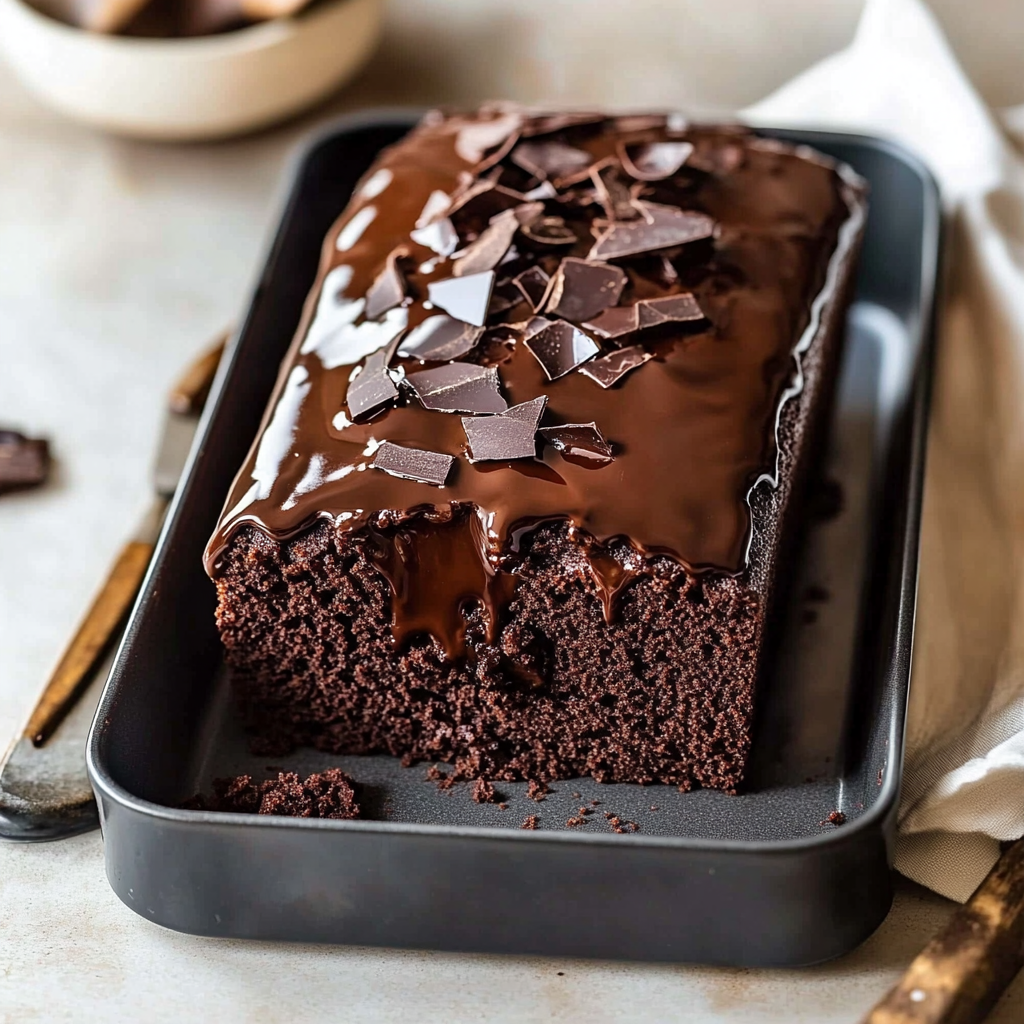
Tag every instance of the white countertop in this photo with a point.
(118, 261)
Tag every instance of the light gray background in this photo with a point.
(118, 262)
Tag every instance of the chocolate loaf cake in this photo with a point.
(525, 494)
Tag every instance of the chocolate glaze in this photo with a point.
(693, 428)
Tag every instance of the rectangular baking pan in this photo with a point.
(761, 878)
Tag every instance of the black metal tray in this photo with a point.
(761, 878)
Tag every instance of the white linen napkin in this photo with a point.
(964, 773)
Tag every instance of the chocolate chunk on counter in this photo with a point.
(506, 436)
(413, 463)
(581, 443)
(581, 289)
(458, 387)
(609, 369)
(560, 347)
(24, 461)
(657, 227)
(440, 338)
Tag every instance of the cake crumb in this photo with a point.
(584, 811)
(530, 822)
(881, 776)
(326, 794)
(502, 807)
(577, 796)
(575, 822)
(595, 803)
(654, 807)
(537, 790)
(835, 818)
(483, 792)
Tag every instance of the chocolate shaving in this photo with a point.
(533, 283)
(613, 193)
(611, 368)
(545, 190)
(581, 443)
(417, 464)
(465, 298)
(654, 161)
(504, 297)
(388, 290)
(371, 388)
(581, 289)
(440, 338)
(546, 124)
(488, 250)
(24, 461)
(509, 435)
(550, 231)
(658, 228)
(433, 229)
(483, 198)
(550, 158)
(615, 322)
(458, 387)
(627, 123)
(670, 309)
(561, 347)
(475, 140)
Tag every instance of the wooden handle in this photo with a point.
(90, 641)
(959, 975)
(189, 394)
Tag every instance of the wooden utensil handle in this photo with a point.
(189, 393)
(959, 975)
(106, 613)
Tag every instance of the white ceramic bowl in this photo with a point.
(200, 88)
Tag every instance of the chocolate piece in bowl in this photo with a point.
(579, 575)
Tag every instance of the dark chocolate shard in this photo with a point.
(611, 368)
(433, 228)
(484, 199)
(670, 309)
(546, 124)
(465, 298)
(489, 248)
(545, 190)
(654, 161)
(581, 289)
(504, 297)
(533, 283)
(658, 227)
(440, 338)
(509, 435)
(370, 388)
(561, 347)
(582, 443)
(627, 123)
(478, 139)
(459, 387)
(613, 193)
(550, 231)
(24, 461)
(720, 161)
(615, 322)
(417, 464)
(549, 158)
(388, 290)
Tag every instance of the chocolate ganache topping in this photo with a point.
(527, 317)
